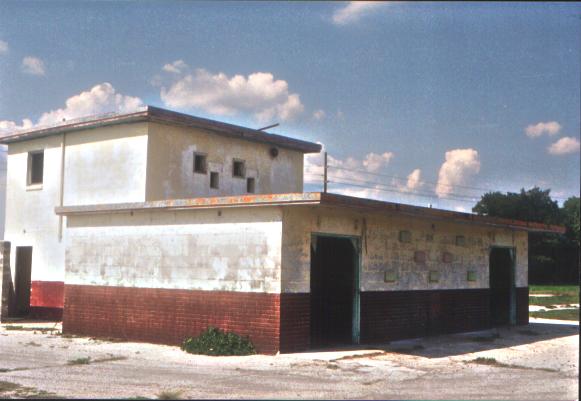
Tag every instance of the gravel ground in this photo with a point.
(535, 362)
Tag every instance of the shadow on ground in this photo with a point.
(463, 343)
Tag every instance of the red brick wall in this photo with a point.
(169, 316)
(393, 315)
(295, 322)
(47, 299)
(522, 305)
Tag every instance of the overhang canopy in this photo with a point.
(314, 199)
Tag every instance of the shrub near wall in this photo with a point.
(216, 342)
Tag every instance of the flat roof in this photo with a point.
(310, 198)
(163, 116)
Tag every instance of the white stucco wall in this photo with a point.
(382, 250)
(106, 165)
(30, 218)
(170, 172)
(238, 250)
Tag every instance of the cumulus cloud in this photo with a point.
(318, 114)
(550, 128)
(354, 11)
(414, 180)
(176, 67)
(33, 66)
(564, 146)
(3, 47)
(374, 162)
(342, 170)
(259, 94)
(459, 166)
(99, 99)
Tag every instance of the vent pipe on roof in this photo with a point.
(268, 126)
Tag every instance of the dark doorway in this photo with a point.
(22, 280)
(333, 290)
(501, 286)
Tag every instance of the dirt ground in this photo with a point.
(535, 362)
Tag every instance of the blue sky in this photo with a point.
(415, 102)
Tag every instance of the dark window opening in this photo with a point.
(250, 182)
(199, 163)
(238, 169)
(214, 180)
(35, 168)
(501, 278)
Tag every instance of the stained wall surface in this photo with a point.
(170, 172)
(228, 250)
(382, 251)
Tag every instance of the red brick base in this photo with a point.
(169, 316)
(47, 300)
(273, 322)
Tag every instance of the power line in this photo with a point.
(426, 182)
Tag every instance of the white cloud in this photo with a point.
(374, 162)
(176, 67)
(459, 166)
(550, 128)
(99, 99)
(564, 146)
(33, 66)
(319, 114)
(414, 180)
(460, 209)
(258, 94)
(354, 11)
(3, 47)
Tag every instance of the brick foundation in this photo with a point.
(295, 322)
(522, 305)
(47, 300)
(169, 316)
(394, 315)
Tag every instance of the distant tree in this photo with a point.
(552, 257)
(570, 217)
(532, 205)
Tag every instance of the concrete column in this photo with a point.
(6, 286)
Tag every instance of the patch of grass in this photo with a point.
(169, 395)
(560, 314)
(7, 386)
(562, 299)
(494, 362)
(554, 289)
(80, 361)
(33, 344)
(15, 390)
(13, 327)
(215, 342)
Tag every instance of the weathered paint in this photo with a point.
(382, 250)
(170, 172)
(234, 250)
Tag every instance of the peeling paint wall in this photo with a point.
(229, 250)
(105, 165)
(101, 165)
(30, 218)
(170, 172)
(383, 252)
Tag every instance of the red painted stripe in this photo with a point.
(48, 294)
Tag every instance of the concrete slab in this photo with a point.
(535, 362)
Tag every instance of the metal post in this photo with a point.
(325, 174)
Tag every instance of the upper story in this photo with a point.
(152, 154)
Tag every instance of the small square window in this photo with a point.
(214, 180)
(434, 276)
(390, 276)
(460, 240)
(447, 257)
(200, 163)
(35, 168)
(420, 257)
(238, 169)
(471, 275)
(250, 183)
(405, 236)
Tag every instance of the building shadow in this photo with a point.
(464, 343)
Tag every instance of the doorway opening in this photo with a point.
(502, 286)
(334, 291)
(22, 280)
